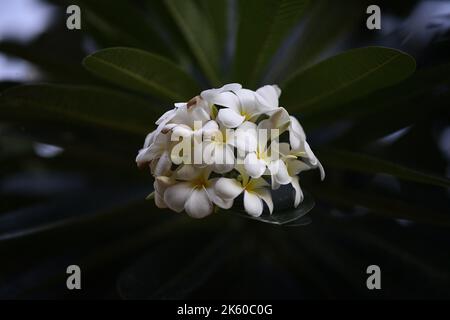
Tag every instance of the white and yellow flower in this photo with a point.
(255, 191)
(194, 192)
(200, 146)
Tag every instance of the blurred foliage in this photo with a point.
(385, 200)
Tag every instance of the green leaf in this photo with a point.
(367, 164)
(93, 106)
(217, 12)
(200, 34)
(119, 22)
(345, 77)
(161, 276)
(402, 102)
(143, 72)
(60, 212)
(285, 217)
(382, 205)
(263, 26)
(322, 31)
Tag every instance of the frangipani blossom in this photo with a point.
(156, 154)
(193, 192)
(255, 192)
(218, 148)
(265, 158)
(201, 146)
(301, 148)
(241, 105)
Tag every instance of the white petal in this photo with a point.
(215, 198)
(180, 104)
(310, 154)
(322, 171)
(210, 128)
(149, 139)
(167, 116)
(223, 159)
(296, 134)
(144, 157)
(279, 120)
(296, 166)
(187, 173)
(284, 149)
(279, 172)
(228, 188)
(162, 183)
(245, 137)
(298, 191)
(181, 130)
(266, 196)
(159, 201)
(229, 118)
(176, 196)
(199, 113)
(257, 183)
(198, 205)
(253, 204)
(231, 87)
(255, 167)
(163, 165)
(248, 103)
(268, 96)
(224, 99)
(212, 92)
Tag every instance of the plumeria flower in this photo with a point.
(156, 153)
(188, 119)
(301, 148)
(266, 158)
(161, 184)
(194, 192)
(255, 192)
(199, 145)
(243, 104)
(294, 168)
(218, 147)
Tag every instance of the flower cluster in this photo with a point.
(222, 144)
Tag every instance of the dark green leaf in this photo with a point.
(345, 77)
(367, 164)
(382, 205)
(402, 102)
(199, 32)
(156, 276)
(263, 25)
(120, 22)
(92, 106)
(323, 29)
(142, 71)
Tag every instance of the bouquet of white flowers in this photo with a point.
(224, 143)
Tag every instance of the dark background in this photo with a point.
(72, 195)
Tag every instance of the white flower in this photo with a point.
(301, 148)
(266, 158)
(255, 192)
(156, 153)
(218, 148)
(242, 104)
(161, 184)
(193, 192)
(222, 131)
(294, 167)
